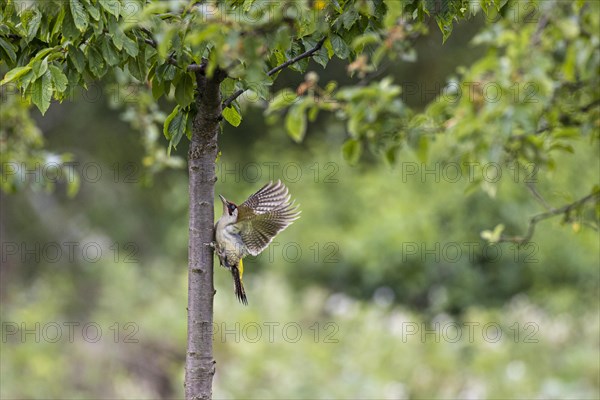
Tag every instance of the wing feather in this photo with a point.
(264, 214)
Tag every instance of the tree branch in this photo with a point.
(306, 54)
(231, 98)
(566, 209)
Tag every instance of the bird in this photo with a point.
(248, 229)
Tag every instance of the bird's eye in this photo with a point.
(231, 208)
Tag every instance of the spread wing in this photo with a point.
(264, 214)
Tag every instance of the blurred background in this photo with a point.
(383, 289)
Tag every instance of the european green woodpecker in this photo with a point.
(250, 227)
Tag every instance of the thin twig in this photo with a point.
(151, 41)
(306, 54)
(231, 98)
(538, 196)
(566, 209)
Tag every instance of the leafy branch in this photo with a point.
(564, 210)
(306, 54)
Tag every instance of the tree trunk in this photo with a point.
(200, 365)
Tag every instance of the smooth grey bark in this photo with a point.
(200, 364)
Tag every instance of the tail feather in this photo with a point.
(238, 285)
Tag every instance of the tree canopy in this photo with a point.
(532, 94)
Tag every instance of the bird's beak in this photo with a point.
(224, 200)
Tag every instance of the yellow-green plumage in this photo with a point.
(250, 227)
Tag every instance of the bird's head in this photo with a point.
(230, 210)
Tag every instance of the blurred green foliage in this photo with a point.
(369, 290)
(389, 246)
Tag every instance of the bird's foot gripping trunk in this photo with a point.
(238, 286)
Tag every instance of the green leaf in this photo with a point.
(59, 79)
(378, 55)
(74, 78)
(329, 47)
(361, 41)
(93, 11)
(157, 88)
(445, 25)
(184, 91)
(165, 72)
(108, 52)
(137, 67)
(175, 126)
(116, 32)
(41, 92)
(284, 98)
(261, 88)
(43, 53)
(96, 62)
(168, 121)
(130, 46)
(351, 150)
(39, 68)
(68, 28)
(57, 27)
(295, 122)
(111, 6)
(321, 57)
(167, 129)
(8, 48)
(493, 236)
(280, 57)
(349, 17)
(26, 80)
(15, 73)
(77, 58)
(232, 116)
(313, 112)
(339, 47)
(228, 86)
(31, 20)
(80, 17)
(566, 132)
(165, 44)
(563, 147)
